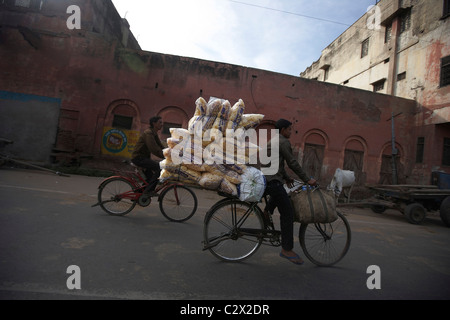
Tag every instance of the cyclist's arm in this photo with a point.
(286, 152)
(153, 146)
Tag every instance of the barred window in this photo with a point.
(405, 21)
(379, 85)
(388, 34)
(365, 48)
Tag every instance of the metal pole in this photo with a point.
(394, 150)
(394, 154)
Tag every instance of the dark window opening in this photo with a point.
(445, 71)
(122, 122)
(446, 11)
(420, 149)
(405, 21)
(388, 34)
(365, 48)
(326, 73)
(446, 152)
(379, 85)
(167, 126)
(401, 76)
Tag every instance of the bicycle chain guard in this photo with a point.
(144, 201)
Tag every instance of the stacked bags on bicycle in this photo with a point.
(212, 152)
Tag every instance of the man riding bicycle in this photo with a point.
(278, 195)
(148, 144)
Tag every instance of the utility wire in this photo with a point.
(320, 19)
(289, 12)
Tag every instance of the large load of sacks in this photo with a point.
(212, 152)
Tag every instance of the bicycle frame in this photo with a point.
(324, 244)
(135, 194)
(264, 234)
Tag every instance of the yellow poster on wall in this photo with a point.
(119, 142)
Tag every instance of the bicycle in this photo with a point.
(119, 195)
(234, 230)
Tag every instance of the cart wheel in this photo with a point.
(445, 211)
(415, 213)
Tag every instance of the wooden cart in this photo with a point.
(412, 200)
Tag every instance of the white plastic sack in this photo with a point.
(252, 186)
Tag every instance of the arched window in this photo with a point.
(173, 117)
(123, 114)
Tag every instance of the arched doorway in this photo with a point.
(354, 154)
(386, 170)
(316, 142)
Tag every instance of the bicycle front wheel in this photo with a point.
(178, 203)
(326, 244)
(233, 230)
(115, 197)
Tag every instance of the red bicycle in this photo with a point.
(118, 195)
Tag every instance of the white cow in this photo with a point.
(341, 179)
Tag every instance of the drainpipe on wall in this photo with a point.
(392, 76)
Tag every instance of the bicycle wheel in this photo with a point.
(115, 196)
(178, 203)
(326, 244)
(233, 230)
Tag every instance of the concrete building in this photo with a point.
(400, 48)
(77, 93)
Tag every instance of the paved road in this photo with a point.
(47, 224)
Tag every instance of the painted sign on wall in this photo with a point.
(118, 142)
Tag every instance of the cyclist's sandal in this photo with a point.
(293, 259)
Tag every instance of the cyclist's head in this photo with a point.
(282, 124)
(153, 121)
(285, 127)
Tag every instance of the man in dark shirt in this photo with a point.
(148, 144)
(278, 195)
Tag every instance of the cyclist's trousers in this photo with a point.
(152, 171)
(280, 199)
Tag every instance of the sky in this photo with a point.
(284, 36)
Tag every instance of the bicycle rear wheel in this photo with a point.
(233, 230)
(326, 244)
(115, 197)
(178, 203)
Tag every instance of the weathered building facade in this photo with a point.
(400, 48)
(97, 89)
